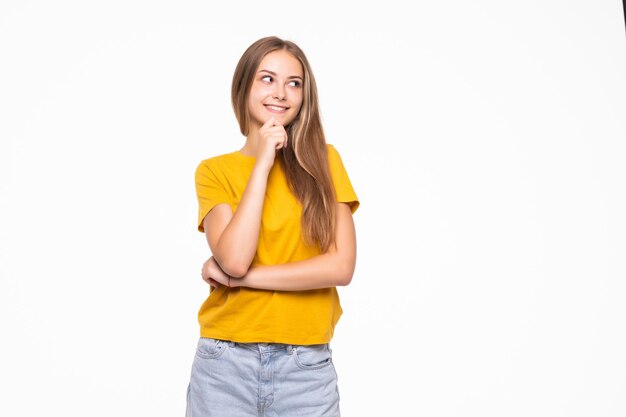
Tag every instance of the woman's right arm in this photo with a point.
(233, 237)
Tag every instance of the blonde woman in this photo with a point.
(277, 215)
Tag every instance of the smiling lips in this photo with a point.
(276, 109)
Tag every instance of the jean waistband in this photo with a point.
(265, 347)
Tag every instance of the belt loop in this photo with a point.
(290, 349)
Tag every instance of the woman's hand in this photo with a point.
(272, 137)
(213, 275)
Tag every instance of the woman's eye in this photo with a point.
(294, 83)
(266, 78)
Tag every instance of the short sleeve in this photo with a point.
(341, 181)
(210, 192)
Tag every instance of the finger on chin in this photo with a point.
(270, 122)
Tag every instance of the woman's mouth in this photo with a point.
(276, 109)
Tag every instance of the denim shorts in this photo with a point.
(230, 379)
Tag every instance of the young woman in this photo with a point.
(277, 215)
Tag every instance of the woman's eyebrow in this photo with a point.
(274, 74)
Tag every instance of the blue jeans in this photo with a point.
(262, 380)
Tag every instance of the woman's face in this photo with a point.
(276, 90)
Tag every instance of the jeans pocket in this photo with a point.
(312, 356)
(209, 348)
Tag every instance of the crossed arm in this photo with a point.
(329, 269)
(233, 237)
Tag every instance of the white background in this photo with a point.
(485, 141)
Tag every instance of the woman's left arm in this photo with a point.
(330, 269)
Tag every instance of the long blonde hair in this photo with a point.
(305, 160)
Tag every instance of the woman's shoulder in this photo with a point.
(333, 154)
(230, 160)
(217, 158)
(331, 150)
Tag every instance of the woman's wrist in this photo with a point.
(234, 282)
(262, 167)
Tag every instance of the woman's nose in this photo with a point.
(279, 92)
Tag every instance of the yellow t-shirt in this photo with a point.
(251, 315)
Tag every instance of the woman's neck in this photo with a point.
(252, 140)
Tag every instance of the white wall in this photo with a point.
(485, 140)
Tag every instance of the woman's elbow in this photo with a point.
(233, 267)
(344, 280)
(346, 272)
(237, 271)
